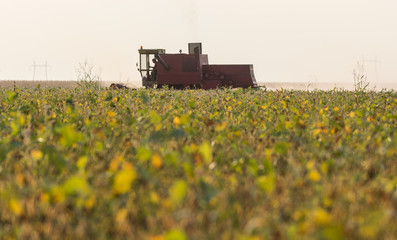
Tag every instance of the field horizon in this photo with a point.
(376, 86)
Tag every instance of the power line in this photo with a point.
(40, 66)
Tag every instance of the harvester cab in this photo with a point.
(147, 66)
(191, 70)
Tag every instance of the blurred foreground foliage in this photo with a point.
(221, 164)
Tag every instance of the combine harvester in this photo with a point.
(184, 71)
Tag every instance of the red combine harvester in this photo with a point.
(191, 70)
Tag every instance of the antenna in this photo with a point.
(40, 66)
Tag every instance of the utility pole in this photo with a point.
(40, 66)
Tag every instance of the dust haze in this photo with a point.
(306, 41)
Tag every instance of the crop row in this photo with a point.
(228, 164)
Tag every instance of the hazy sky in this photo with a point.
(286, 40)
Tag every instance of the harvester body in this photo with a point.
(191, 70)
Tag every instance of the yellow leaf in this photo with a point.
(314, 176)
(348, 129)
(316, 131)
(22, 120)
(154, 198)
(372, 223)
(111, 114)
(82, 162)
(19, 177)
(310, 165)
(237, 133)
(158, 127)
(15, 206)
(115, 163)
(57, 195)
(123, 180)
(267, 183)
(177, 121)
(327, 202)
(128, 165)
(206, 152)
(157, 161)
(36, 154)
(89, 203)
(221, 126)
(121, 215)
(44, 198)
(324, 168)
(321, 217)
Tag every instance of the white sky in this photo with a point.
(286, 40)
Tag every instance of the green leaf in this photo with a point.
(76, 186)
(253, 167)
(206, 151)
(143, 154)
(171, 158)
(69, 136)
(178, 192)
(192, 104)
(56, 158)
(188, 169)
(332, 232)
(268, 166)
(175, 235)
(281, 147)
(154, 117)
(144, 97)
(266, 183)
(11, 95)
(82, 162)
(207, 191)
